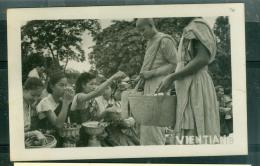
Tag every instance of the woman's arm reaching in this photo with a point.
(82, 97)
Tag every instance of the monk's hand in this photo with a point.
(165, 84)
(136, 79)
(146, 74)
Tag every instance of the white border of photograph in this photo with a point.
(17, 17)
(117, 164)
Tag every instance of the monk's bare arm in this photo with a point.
(198, 62)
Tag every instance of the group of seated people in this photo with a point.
(48, 106)
(89, 100)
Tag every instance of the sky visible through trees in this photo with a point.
(88, 42)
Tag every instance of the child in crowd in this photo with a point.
(120, 131)
(105, 100)
(225, 108)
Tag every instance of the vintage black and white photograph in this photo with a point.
(124, 84)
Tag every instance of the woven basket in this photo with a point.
(69, 132)
(154, 110)
(51, 143)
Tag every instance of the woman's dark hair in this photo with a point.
(83, 79)
(33, 83)
(54, 79)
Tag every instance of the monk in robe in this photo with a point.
(159, 61)
(197, 106)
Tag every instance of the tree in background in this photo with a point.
(58, 39)
(221, 68)
(118, 47)
(30, 62)
(72, 76)
(121, 47)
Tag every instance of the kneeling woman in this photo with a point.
(84, 107)
(32, 91)
(53, 109)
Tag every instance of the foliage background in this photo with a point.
(117, 47)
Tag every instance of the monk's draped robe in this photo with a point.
(166, 55)
(197, 107)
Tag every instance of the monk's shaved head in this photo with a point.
(145, 21)
(146, 27)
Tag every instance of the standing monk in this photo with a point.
(159, 61)
(197, 106)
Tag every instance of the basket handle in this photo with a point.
(158, 94)
(137, 85)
